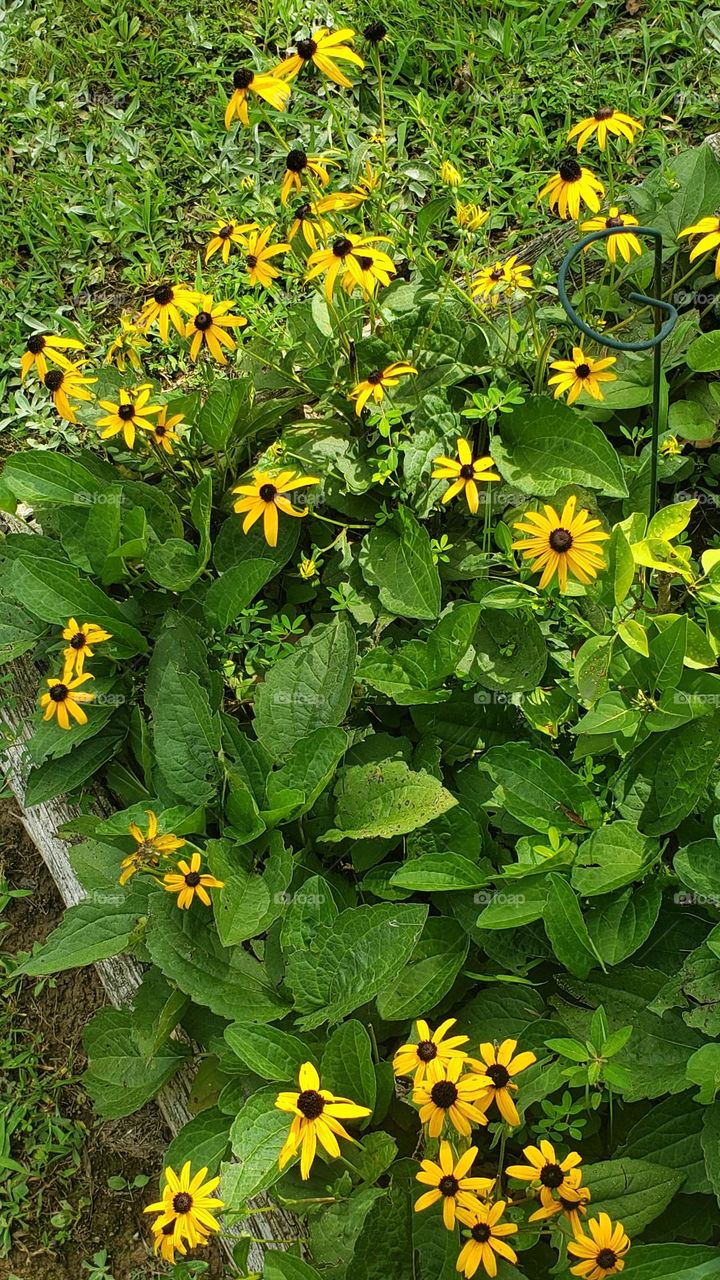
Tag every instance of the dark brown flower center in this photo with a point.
(604, 113)
(444, 1094)
(311, 1104)
(59, 693)
(342, 247)
(163, 295)
(251, 261)
(570, 1205)
(614, 222)
(78, 641)
(54, 379)
(296, 160)
(182, 1202)
(364, 261)
(582, 370)
(606, 1259)
(36, 343)
(570, 170)
(126, 412)
(552, 1175)
(481, 1232)
(497, 274)
(375, 377)
(243, 78)
(226, 231)
(498, 1074)
(375, 32)
(306, 49)
(169, 1227)
(192, 879)
(466, 471)
(449, 1185)
(160, 430)
(267, 492)
(203, 321)
(426, 1050)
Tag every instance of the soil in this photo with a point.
(58, 1014)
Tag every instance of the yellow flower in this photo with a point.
(571, 1204)
(258, 254)
(470, 216)
(487, 1238)
(127, 414)
(500, 1064)
(448, 1095)
(298, 162)
(187, 1202)
(709, 229)
(449, 175)
(208, 325)
(165, 305)
(502, 280)
(339, 201)
(125, 347)
(80, 638)
(65, 385)
(414, 1059)
(165, 1243)
(561, 543)
(265, 85)
(311, 225)
(582, 373)
(374, 385)
(671, 447)
(545, 1169)
(624, 242)
(41, 347)
(188, 882)
(162, 431)
(572, 186)
(316, 1116)
(368, 182)
(355, 261)
(450, 1183)
(266, 496)
(63, 699)
(307, 568)
(465, 473)
(602, 1253)
(227, 233)
(150, 847)
(605, 122)
(325, 49)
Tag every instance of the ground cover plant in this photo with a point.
(348, 583)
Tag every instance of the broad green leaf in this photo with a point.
(540, 790)
(703, 1069)
(249, 901)
(703, 355)
(697, 866)
(269, 1052)
(610, 858)
(620, 923)
(566, 929)
(258, 1134)
(285, 1266)
(661, 781)
(592, 664)
(710, 1142)
(635, 637)
(39, 478)
(610, 715)
(669, 1135)
(668, 522)
(544, 445)
(309, 689)
(397, 559)
(55, 592)
(93, 930)
(671, 1262)
(439, 872)
(233, 591)
(204, 1141)
(186, 736)
(621, 563)
(118, 1078)
(634, 1192)
(510, 653)
(307, 770)
(60, 777)
(386, 799)
(429, 973)
(347, 1065)
(220, 416)
(19, 631)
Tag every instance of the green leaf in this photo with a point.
(440, 872)
(671, 1262)
(510, 653)
(385, 1244)
(39, 478)
(397, 559)
(697, 866)
(257, 1135)
(696, 176)
(307, 770)
(610, 858)
(119, 1079)
(309, 689)
(661, 781)
(269, 1052)
(347, 1065)
(669, 1135)
(429, 973)
(60, 777)
(592, 665)
(610, 715)
(620, 923)
(285, 1266)
(385, 799)
(710, 1142)
(221, 413)
(634, 1192)
(55, 592)
(203, 1141)
(350, 962)
(233, 591)
(566, 930)
(544, 445)
(93, 930)
(19, 631)
(540, 790)
(703, 1069)
(703, 355)
(186, 736)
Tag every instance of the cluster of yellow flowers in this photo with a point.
(187, 881)
(65, 695)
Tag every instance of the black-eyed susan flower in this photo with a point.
(450, 1183)
(187, 1201)
(166, 1245)
(313, 226)
(66, 385)
(488, 1237)
(375, 32)
(450, 176)
(162, 431)
(266, 496)
(544, 1168)
(64, 697)
(501, 1064)
(602, 1253)
(150, 847)
(561, 544)
(126, 346)
(265, 84)
(227, 233)
(624, 243)
(189, 882)
(209, 325)
(605, 122)
(316, 1117)
(258, 255)
(41, 347)
(432, 1046)
(80, 639)
(571, 187)
(325, 48)
(571, 1205)
(471, 217)
(466, 473)
(354, 260)
(128, 414)
(582, 373)
(709, 230)
(340, 201)
(298, 162)
(167, 303)
(373, 387)
(447, 1095)
(502, 279)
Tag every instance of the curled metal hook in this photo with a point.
(662, 330)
